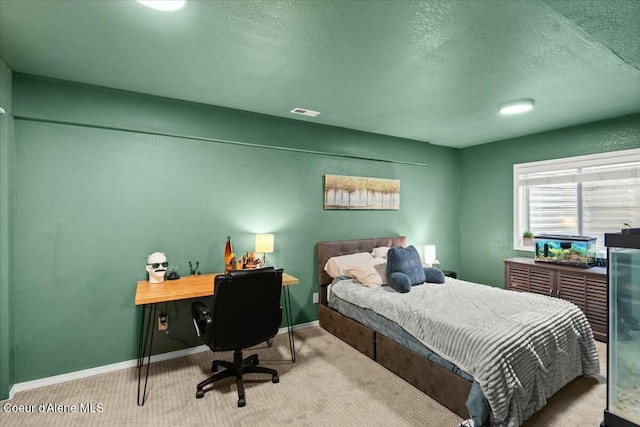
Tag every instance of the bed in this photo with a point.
(444, 368)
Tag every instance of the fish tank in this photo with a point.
(576, 251)
(623, 346)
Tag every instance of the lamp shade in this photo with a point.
(164, 5)
(430, 253)
(264, 243)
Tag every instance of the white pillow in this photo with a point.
(338, 265)
(372, 273)
(380, 252)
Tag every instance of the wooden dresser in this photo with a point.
(585, 287)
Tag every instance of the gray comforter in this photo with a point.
(521, 348)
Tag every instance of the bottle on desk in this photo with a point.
(228, 256)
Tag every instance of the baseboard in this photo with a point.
(57, 379)
(300, 326)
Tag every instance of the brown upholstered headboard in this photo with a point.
(327, 250)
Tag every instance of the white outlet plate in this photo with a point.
(316, 297)
(163, 323)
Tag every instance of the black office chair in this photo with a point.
(245, 311)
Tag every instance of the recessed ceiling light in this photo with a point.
(164, 5)
(305, 112)
(517, 107)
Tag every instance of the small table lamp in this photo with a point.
(430, 254)
(264, 245)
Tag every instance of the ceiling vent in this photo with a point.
(305, 112)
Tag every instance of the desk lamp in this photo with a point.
(264, 245)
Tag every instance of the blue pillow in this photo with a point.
(405, 261)
(433, 275)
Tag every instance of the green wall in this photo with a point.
(7, 145)
(486, 219)
(103, 178)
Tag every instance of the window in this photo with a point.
(583, 196)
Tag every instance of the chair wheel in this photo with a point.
(275, 379)
(199, 394)
(214, 367)
(270, 343)
(241, 402)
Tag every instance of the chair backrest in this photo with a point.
(246, 308)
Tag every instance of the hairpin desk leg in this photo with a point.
(292, 343)
(146, 322)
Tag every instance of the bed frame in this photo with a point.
(440, 384)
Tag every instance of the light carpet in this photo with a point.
(330, 384)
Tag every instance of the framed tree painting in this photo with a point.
(355, 192)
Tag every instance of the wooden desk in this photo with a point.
(148, 295)
(185, 288)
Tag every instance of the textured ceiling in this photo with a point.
(433, 70)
